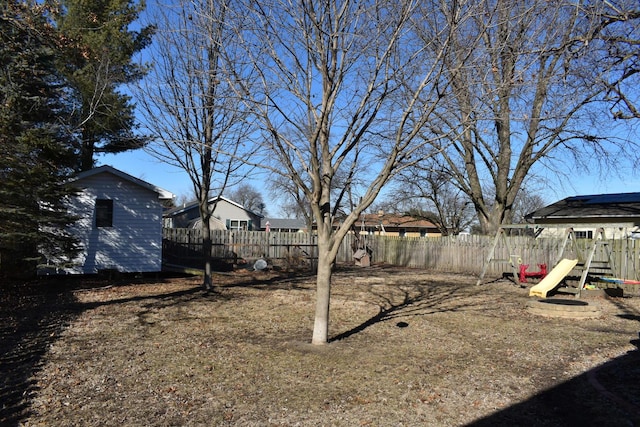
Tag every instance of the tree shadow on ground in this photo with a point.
(271, 281)
(33, 315)
(407, 301)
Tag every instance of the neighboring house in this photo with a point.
(618, 214)
(227, 215)
(283, 225)
(395, 225)
(120, 222)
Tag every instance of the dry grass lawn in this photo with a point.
(408, 348)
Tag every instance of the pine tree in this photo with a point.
(99, 47)
(36, 151)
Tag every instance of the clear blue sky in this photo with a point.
(142, 165)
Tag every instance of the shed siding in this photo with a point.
(134, 242)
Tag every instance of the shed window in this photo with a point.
(104, 213)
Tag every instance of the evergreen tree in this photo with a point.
(99, 47)
(36, 151)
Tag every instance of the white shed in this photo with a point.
(120, 222)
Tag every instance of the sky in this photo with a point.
(141, 164)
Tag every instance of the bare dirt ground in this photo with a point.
(408, 347)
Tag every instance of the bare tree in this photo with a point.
(293, 202)
(345, 90)
(249, 197)
(430, 194)
(620, 42)
(525, 203)
(190, 106)
(528, 88)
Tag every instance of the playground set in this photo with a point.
(595, 264)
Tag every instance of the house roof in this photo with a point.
(188, 206)
(393, 221)
(596, 206)
(164, 194)
(283, 223)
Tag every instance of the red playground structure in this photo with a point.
(524, 273)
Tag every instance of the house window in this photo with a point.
(238, 224)
(104, 213)
(583, 234)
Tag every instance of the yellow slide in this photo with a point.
(552, 279)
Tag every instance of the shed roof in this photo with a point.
(596, 206)
(163, 194)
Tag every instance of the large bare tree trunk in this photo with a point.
(323, 296)
(205, 216)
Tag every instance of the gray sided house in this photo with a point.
(617, 214)
(227, 215)
(120, 222)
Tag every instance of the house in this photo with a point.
(396, 225)
(226, 215)
(618, 214)
(292, 225)
(120, 222)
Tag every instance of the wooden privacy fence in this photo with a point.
(459, 254)
(183, 247)
(468, 254)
